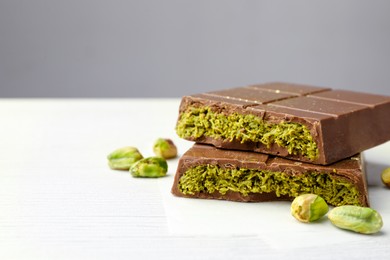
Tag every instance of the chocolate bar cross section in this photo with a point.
(207, 172)
(305, 123)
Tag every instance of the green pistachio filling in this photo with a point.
(203, 121)
(211, 178)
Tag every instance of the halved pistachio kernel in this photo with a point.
(151, 167)
(165, 148)
(355, 218)
(308, 207)
(385, 176)
(123, 158)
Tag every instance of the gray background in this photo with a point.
(118, 48)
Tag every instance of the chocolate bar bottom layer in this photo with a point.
(210, 173)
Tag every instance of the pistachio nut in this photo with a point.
(151, 167)
(308, 207)
(355, 218)
(385, 176)
(165, 148)
(123, 158)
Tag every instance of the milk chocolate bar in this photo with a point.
(304, 123)
(207, 172)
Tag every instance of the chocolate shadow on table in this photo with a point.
(373, 172)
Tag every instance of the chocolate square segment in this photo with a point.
(305, 123)
(210, 173)
(320, 106)
(251, 95)
(295, 89)
(346, 96)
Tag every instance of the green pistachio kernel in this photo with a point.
(358, 219)
(123, 158)
(386, 177)
(308, 207)
(151, 167)
(165, 148)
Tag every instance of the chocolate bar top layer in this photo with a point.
(210, 173)
(304, 123)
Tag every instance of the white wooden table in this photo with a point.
(60, 200)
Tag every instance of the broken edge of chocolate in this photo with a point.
(304, 123)
(209, 173)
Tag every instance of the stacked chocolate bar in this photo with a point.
(277, 141)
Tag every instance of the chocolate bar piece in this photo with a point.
(207, 172)
(304, 123)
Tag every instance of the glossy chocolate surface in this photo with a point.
(342, 123)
